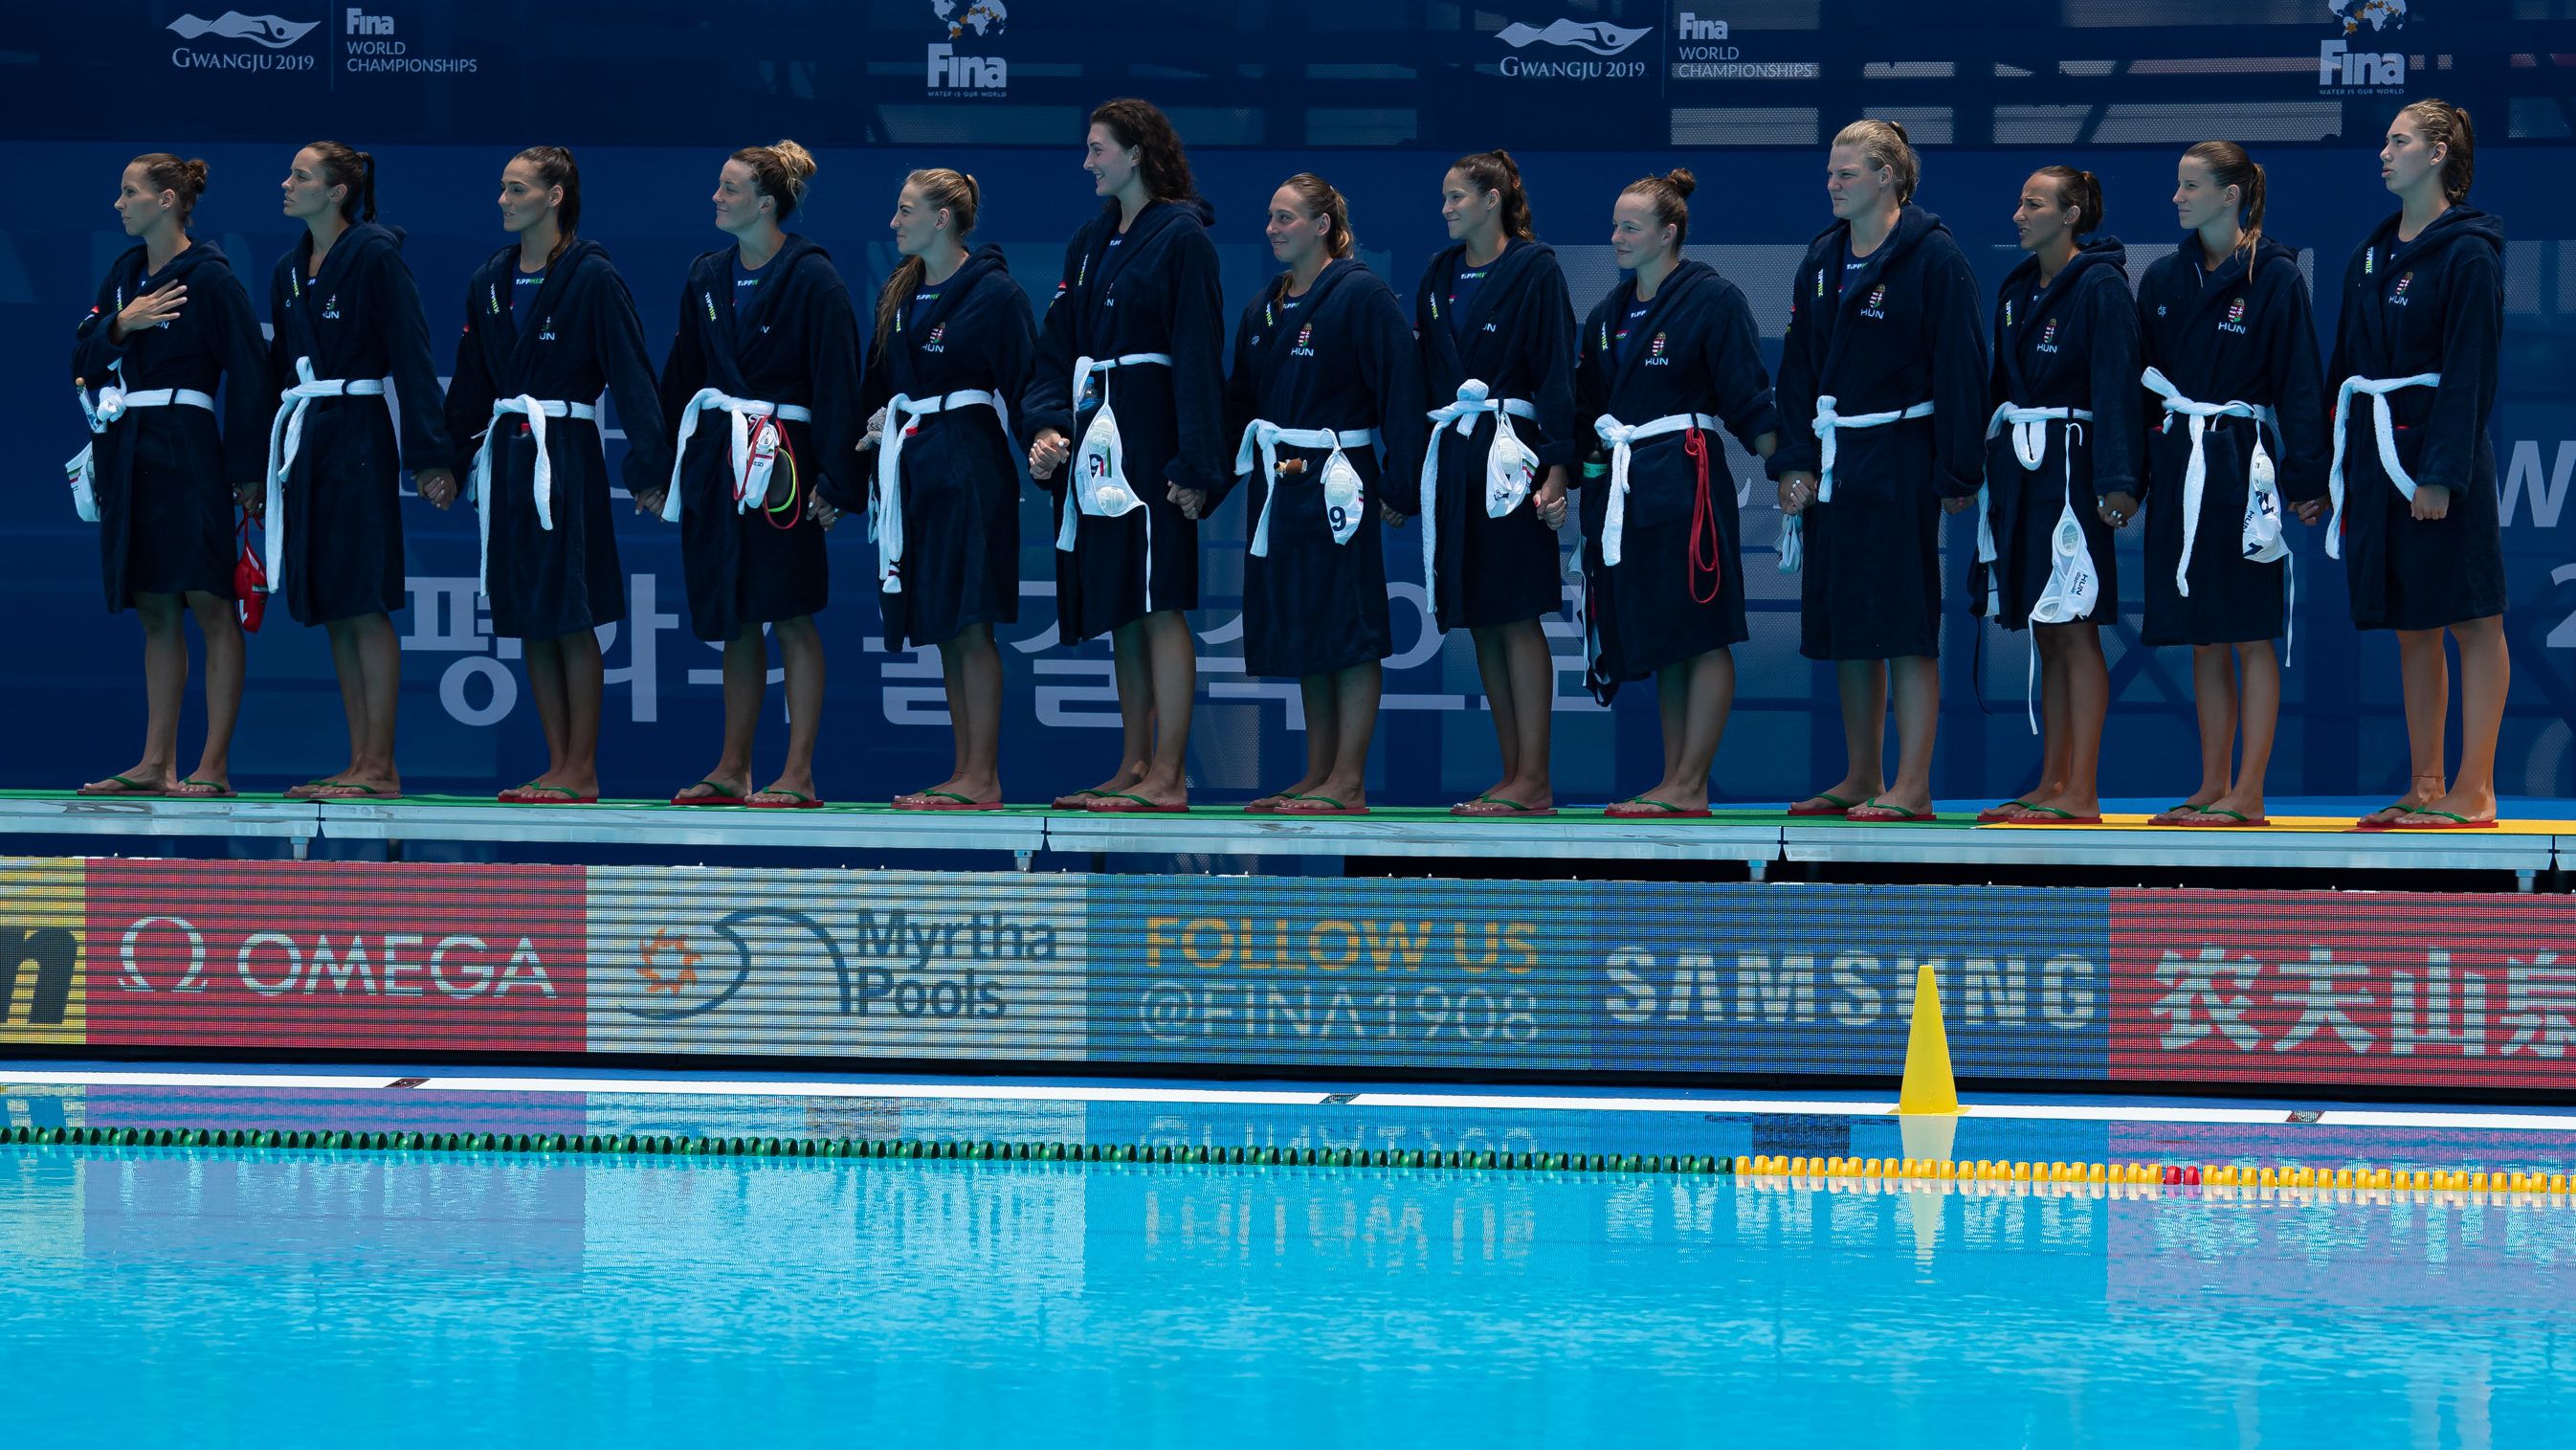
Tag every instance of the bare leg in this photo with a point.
(2079, 696)
(380, 691)
(221, 629)
(1533, 690)
(351, 672)
(544, 661)
(1494, 674)
(2426, 675)
(1173, 659)
(2261, 714)
(1318, 699)
(2485, 672)
(800, 649)
(1862, 684)
(746, 680)
(1916, 683)
(981, 738)
(2214, 700)
(165, 680)
(1698, 694)
(1353, 694)
(578, 686)
(1133, 662)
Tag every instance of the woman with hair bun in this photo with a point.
(1324, 377)
(955, 343)
(1883, 389)
(1494, 323)
(1669, 357)
(2061, 474)
(359, 406)
(1129, 389)
(2228, 337)
(171, 328)
(549, 326)
(761, 393)
(2413, 476)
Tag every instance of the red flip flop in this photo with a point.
(2005, 812)
(1109, 805)
(2051, 816)
(548, 795)
(1331, 807)
(1836, 806)
(720, 794)
(1653, 810)
(2451, 821)
(2227, 820)
(947, 800)
(797, 800)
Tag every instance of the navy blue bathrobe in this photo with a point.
(1151, 289)
(1678, 590)
(962, 472)
(2243, 333)
(798, 345)
(577, 338)
(1340, 357)
(166, 476)
(1898, 331)
(359, 319)
(2432, 305)
(2071, 344)
(1514, 333)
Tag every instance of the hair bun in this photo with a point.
(1681, 180)
(194, 171)
(799, 162)
(1899, 128)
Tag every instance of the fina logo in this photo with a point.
(1597, 36)
(946, 73)
(2342, 70)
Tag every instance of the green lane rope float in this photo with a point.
(979, 1150)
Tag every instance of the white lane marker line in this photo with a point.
(1269, 1097)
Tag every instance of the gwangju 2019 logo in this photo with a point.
(947, 73)
(2350, 64)
(1599, 37)
(234, 41)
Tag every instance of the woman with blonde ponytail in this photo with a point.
(2413, 476)
(955, 342)
(762, 391)
(2227, 338)
(1494, 325)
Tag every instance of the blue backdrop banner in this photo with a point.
(1377, 97)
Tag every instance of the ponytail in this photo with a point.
(555, 167)
(2081, 190)
(2228, 165)
(356, 170)
(2447, 125)
(941, 189)
(1495, 171)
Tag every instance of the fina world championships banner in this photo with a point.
(1377, 97)
(1283, 974)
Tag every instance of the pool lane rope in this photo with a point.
(1968, 1175)
(686, 1146)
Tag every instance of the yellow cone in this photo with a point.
(1929, 1086)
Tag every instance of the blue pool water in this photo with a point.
(268, 1299)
